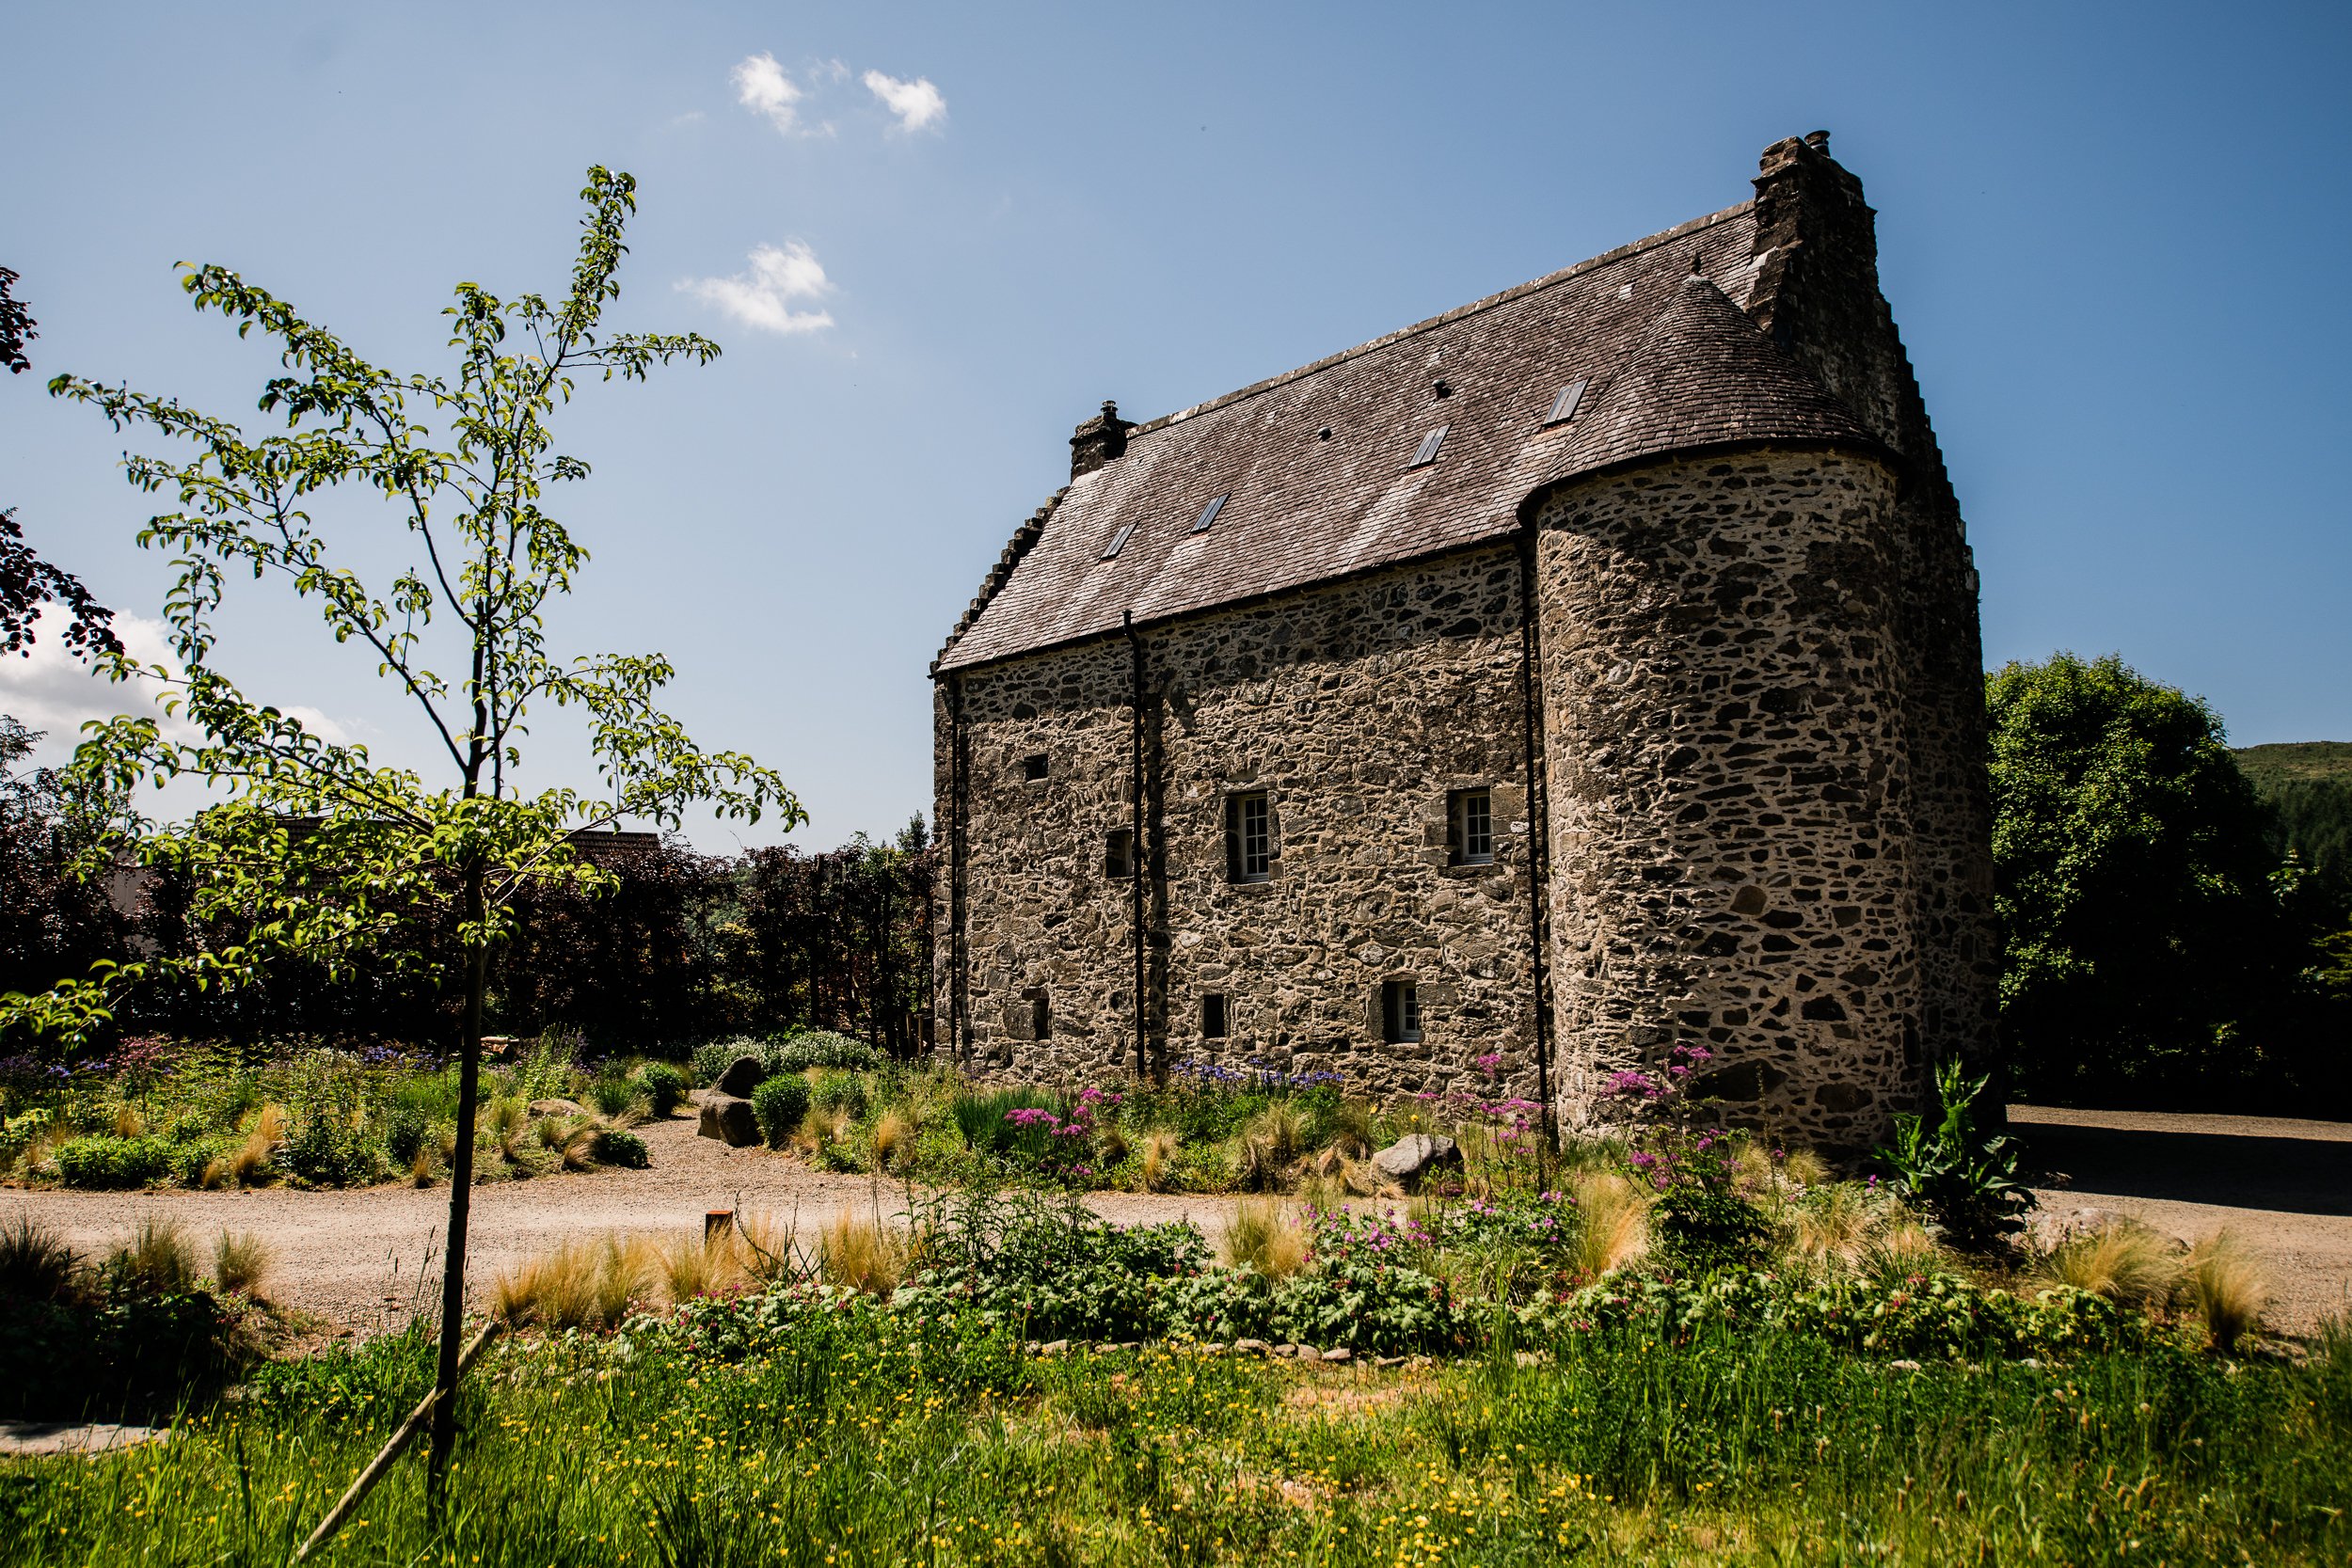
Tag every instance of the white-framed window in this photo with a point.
(1248, 836)
(1400, 1011)
(1471, 827)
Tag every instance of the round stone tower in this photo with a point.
(1720, 687)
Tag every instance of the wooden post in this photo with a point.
(383, 1460)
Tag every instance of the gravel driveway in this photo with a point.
(366, 1260)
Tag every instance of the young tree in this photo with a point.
(316, 849)
(2132, 877)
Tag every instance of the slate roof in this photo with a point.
(1669, 359)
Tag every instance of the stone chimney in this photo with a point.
(1098, 440)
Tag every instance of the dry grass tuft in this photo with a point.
(1272, 1142)
(250, 1164)
(891, 1134)
(1612, 1222)
(578, 1146)
(691, 1267)
(1898, 1253)
(509, 1119)
(1832, 1224)
(1366, 1180)
(2227, 1288)
(578, 1285)
(865, 1255)
(1110, 1146)
(214, 1175)
(34, 1261)
(2122, 1260)
(156, 1259)
(421, 1168)
(1159, 1160)
(1804, 1167)
(1263, 1236)
(240, 1263)
(129, 1123)
(1347, 1128)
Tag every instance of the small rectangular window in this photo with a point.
(1033, 769)
(1426, 452)
(1118, 853)
(1400, 1012)
(1471, 827)
(1248, 837)
(1119, 542)
(1041, 1015)
(1208, 516)
(1564, 406)
(1213, 1017)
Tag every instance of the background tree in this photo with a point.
(317, 851)
(2134, 883)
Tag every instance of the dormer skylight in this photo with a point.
(1426, 452)
(1208, 516)
(1564, 406)
(1119, 542)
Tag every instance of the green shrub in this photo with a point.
(404, 1132)
(623, 1150)
(981, 1119)
(712, 1057)
(665, 1087)
(102, 1160)
(1964, 1176)
(1048, 1265)
(841, 1091)
(780, 1103)
(819, 1048)
(328, 1151)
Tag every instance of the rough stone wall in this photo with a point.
(1817, 293)
(1722, 714)
(1357, 706)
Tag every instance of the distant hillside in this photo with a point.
(2310, 784)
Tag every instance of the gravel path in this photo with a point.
(367, 1260)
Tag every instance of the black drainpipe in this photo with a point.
(1135, 832)
(1539, 826)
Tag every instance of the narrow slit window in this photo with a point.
(1248, 837)
(1033, 769)
(1471, 827)
(1042, 1016)
(1118, 853)
(1426, 452)
(1208, 516)
(1564, 406)
(1119, 542)
(1213, 1017)
(1400, 1012)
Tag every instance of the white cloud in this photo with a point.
(763, 296)
(917, 103)
(761, 87)
(51, 691)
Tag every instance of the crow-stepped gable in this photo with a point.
(1589, 670)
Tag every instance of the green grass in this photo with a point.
(851, 1438)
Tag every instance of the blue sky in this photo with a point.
(2114, 238)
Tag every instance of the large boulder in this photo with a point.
(743, 1076)
(730, 1119)
(556, 1108)
(1412, 1157)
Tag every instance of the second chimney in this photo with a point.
(1098, 440)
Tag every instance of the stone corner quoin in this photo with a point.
(1591, 671)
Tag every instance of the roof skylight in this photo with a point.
(1426, 452)
(1564, 406)
(1208, 516)
(1119, 542)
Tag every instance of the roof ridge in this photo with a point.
(1519, 291)
(1000, 574)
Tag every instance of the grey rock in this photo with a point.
(1414, 1156)
(1340, 1354)
(730, 1120)
(557, 1108)
(1252, 1347)
(743, 1076)
(1054, 1347)
(1388, 1361)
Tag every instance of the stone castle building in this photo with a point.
(1587, 671)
